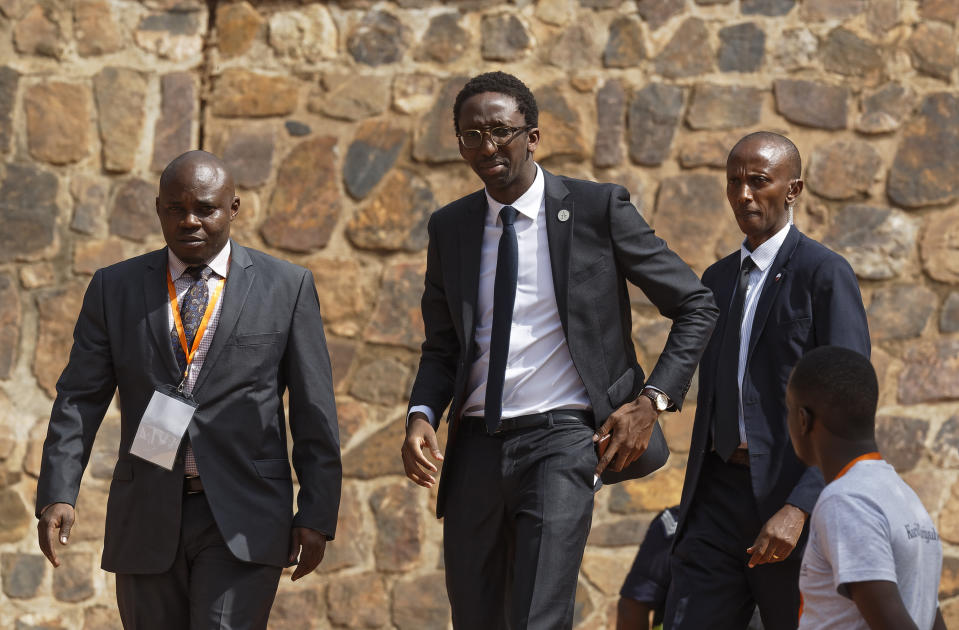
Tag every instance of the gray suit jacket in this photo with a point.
(269, 341)
(603, 244)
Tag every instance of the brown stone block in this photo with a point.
(418, 605)
(436, 140)
(28, 211)
(946, 445)
(173, 133)
(555, 12)
(15, 519)
(58, 122)
(175, 34)
(678, 426)
(933, 48)
(91, 512)
(504, 37)
(105, 449)
(298, 609)
(845, 53)
(347, 289)
(625, 46)
(247, 149)
(943, 10)
(13, 9)
(95, 28)
(883, 15)
(397, 319)
(822, 10)
(306, 201)
(358, 601)
(351, 547)
(583, 606)
(949, 582)
(38, 33)
(88, 256)
(885, 108)
(342, 352)
(900, 312)
(397, 217)
(37, 275)
(90, 200)
(658, 12)
(241, 93)
(610, 124)
(723, 107)
(134, 210)
(688, 210)
(811, 103)
(101, 618)
(926, 167)
(22, 574)
(949, 518)
(938, 246)
(620, 533)
(9, 325)
(931, 486)
(573, 48)
(445, 40)
(876, 241)
(378, 454)
(688, 53)
(34, 451)
(901, 440)
(380, 38)
(57, 312)
(656, 492)
(237, 25)
(843, 169)
(606, 571)
(948, 320)
(766, 7)
(413, 93)
(381, 381)
(9, 79)
(371, 155)
(73, 580)
(796, 48)
(351, 97)
(653, 115)
(742, 48)
(120, 94)
(931, 372)
(399, 527)
(308, 35)
(562, 126)
(706, 150)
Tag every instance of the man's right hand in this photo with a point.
(419, 436)
(56, 518)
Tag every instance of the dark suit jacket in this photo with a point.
(810, 298)
(604, 243)
(269, 341)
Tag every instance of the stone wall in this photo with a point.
(336, 120)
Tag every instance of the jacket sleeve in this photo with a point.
(84, 392)
(313, 424)
(436, 376)
(672, 287)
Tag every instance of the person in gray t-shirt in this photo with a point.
(873, 559)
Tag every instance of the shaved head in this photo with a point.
(840, 386)
(197, 166)
(778, 148)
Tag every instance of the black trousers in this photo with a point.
(518, 510)
(711, 585)
(207, 588)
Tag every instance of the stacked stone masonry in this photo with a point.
(336, 120)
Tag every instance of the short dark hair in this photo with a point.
(500, 83)
(792, 153)
(846, 383)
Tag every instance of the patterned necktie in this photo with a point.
(504, 296)
(192, 308)
(726, 416)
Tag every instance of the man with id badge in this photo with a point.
(201, 340)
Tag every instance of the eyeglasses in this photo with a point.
(500, 136)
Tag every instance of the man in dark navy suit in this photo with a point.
(747, 497)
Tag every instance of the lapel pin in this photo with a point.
(563, 215)
(778, 276)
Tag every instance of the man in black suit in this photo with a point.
(199, 533)
(747, 497)
(528, 334)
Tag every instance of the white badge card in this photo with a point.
(162, 427)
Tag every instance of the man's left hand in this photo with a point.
(627, 429)
(778, 537)
(309, 545)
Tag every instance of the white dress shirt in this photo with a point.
(763, 257)
(540, 374)
(220, 265)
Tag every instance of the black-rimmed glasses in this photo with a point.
(500, 136)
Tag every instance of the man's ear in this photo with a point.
(795, 188)
(806, 420)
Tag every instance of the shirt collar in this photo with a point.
(219, 263)
(765, 254)
(528, 204)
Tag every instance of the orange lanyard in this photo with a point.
(178, 322)
(845, 469)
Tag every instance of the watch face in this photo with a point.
(661, 402)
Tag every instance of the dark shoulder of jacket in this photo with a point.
(453, 211)
(135, 264)
(717, 266)
(587, 187)
(812, 254)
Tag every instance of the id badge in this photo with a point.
(164, 422)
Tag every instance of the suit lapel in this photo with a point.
(471, 245)
(558, 234)
(239, 279)
(157, 305)
(774, 281)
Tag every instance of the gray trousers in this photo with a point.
(207, 588)
(518, 510)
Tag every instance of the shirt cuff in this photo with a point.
(424, 410)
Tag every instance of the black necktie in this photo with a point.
(504, 295)
(726, 415)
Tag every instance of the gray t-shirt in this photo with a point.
(868, 525)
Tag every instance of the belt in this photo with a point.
(477, 424)
(192, 485)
